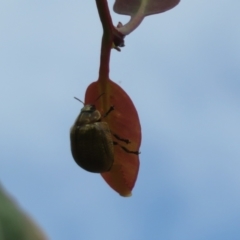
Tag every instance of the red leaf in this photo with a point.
(131, 7)
(138, 9)
(124, 122)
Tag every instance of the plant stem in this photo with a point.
(107, 38)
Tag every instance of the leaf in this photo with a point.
(131, 7)
(138, 9)
(124, 122)
(14, 223)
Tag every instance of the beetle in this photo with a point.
(92, 146)
(91, 141)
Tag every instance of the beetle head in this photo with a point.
(88, 114)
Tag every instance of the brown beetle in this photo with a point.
(91, 141)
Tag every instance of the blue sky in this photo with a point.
(181, 69)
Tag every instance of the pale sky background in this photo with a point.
(181, 69)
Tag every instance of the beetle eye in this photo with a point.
(92, 108)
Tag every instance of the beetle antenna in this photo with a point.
(94, 101)
(99, 96)
(79, 100)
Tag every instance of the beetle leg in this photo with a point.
(126, 150)
(121, 139)
(109, 110)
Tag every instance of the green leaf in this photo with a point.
(14, 223)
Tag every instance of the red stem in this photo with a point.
(107, 38)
